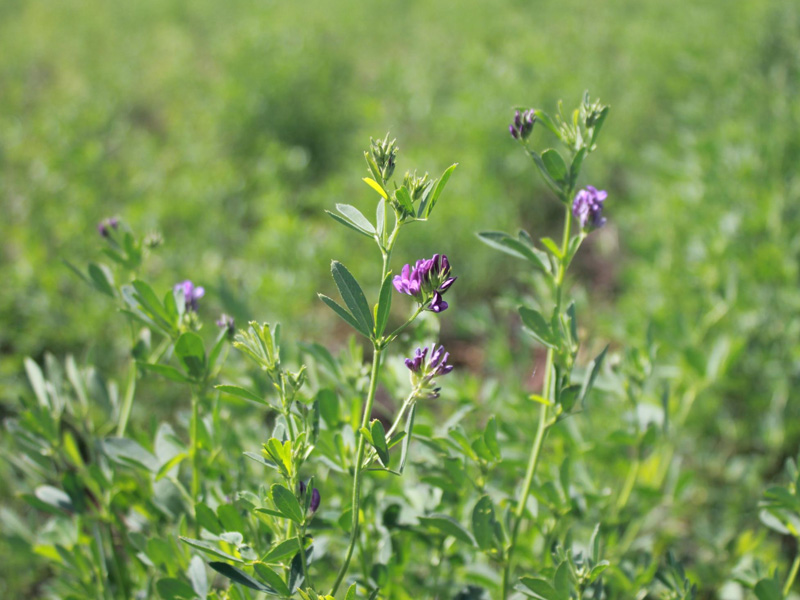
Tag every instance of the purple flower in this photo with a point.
(106, 224)
(423, 371)
(522, 126)
(588, 207)
(191, 293)
(316, 499)
(426, 281)
(227, 322)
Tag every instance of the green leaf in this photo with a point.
(273, 579)
(768, 589)
(354, 216)
(591, 374)
(351, 593)
(352, 295)
(54, 497)
(550, 244)
(240, 577)
(490, 438)
(537, 588)
(296, 575)
(555, 165)
(537, 326)
(170, 373)
(404, 199)
(384, 305)
(348, 224)
(37, 381)
(207, 518)
(483, 523)
(102, 279)
(280, 551)
(449, 526)
(379, 442)
(286, 502)
(240, 392)
(209, 548)
(197, 576)
(598, 125)
(169, 465)
(348, 318)
(548, 179)
(428, 204)
(407, 439)
(545, 120)
(505, 243)
(575, 167)
(170, 588)
(125, 451)
(149, 302)
(191, 354)
(328, 406)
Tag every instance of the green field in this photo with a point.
(229, 129)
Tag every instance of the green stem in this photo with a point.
(356, 497)
(627, 488)
(102, 572)
(391, 337)
(194, 428)
(127, 404)
(792, 574)
(543, 426)
(303, 561)
(526, 487)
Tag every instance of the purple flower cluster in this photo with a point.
(316, 499)
(587, 207)
(523, 124)
(426, 281)
(191, 293)
(424, 369)
(104, 227)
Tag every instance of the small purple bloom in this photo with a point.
(316, 499)
(106, 224)
(438, 304)
(426, 281)
(588, 207)
(191, 294)
(302, 487)
(226, 322)
(423, 371)
(522, 126)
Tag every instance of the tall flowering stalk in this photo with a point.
(558, 330)
(426, 282)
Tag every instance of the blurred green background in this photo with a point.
(230, 127)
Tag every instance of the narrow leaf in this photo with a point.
(286, 502)
(240, 577)
(352, 214)
(346, 316)
(352, 295)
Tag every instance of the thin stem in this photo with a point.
(407, 403)
(543, 426)
(127, 404)
(391, 337)
(303, 561)
(194, 428)
(356, 497)
(526, 488)
(792, 574)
